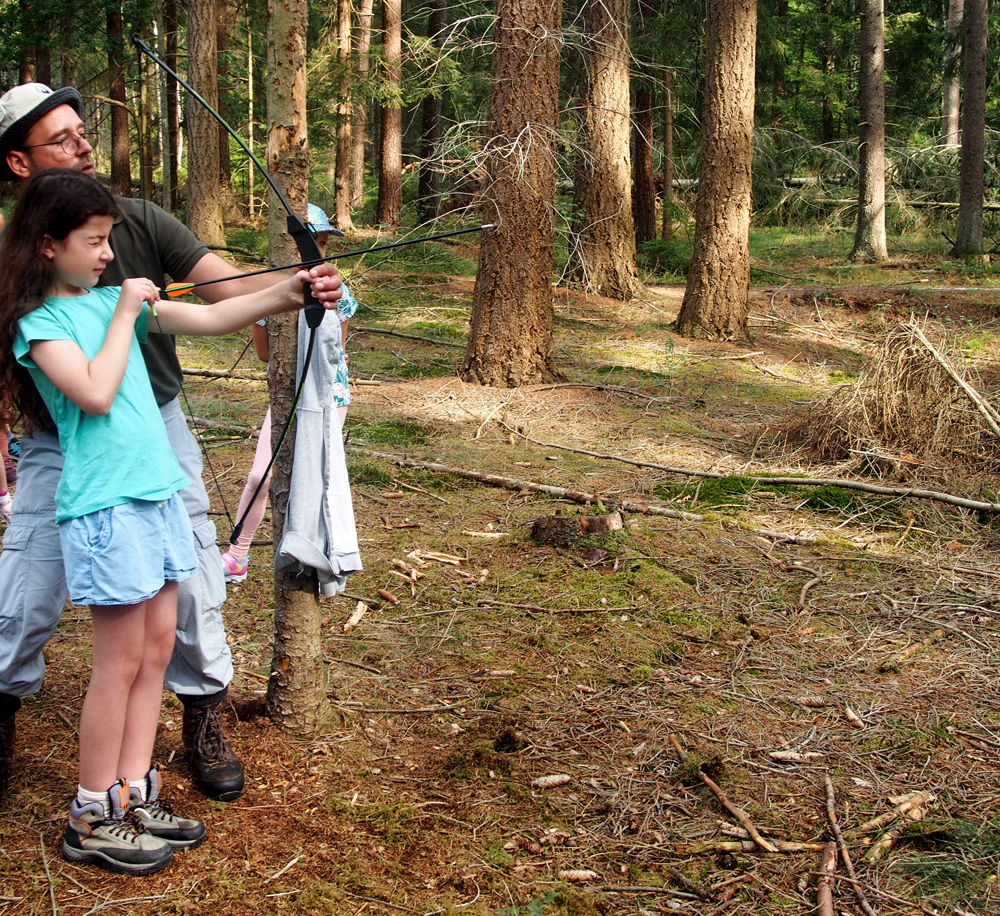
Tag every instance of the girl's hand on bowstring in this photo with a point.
(136, 292)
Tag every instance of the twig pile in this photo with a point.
(916, 404)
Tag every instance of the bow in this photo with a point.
(304, 242)
(297, 229)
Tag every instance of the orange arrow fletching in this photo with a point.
(174, 290)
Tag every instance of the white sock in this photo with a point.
(142, 785)
(86, 797)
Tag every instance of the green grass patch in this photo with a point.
(397, 433)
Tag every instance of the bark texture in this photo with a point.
(121, 166)
(644, 201)
(510, 340)
(342, 171)
(602, 254)
(390, 166)
(969, 233)
(173, 125)
(296, 699)
(951, 84)
(359, 109)
(716, 300)
(869, 240)
(428, 191)
(204, 203)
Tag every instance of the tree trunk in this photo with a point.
(342, 180)
(296, 700)
(951, 88)
(969, 233)
(869, 241)
(145, 122)
(166, 150)
(204, 204)
(716, 300)
(43, 65)
(121, 166)
(644, 204)
(359, 109)
(510, 339)
(826, 55)
(668, 153)
(227, 201)
(173, 125)
(603, 250)
(390, 165)
(429, 190)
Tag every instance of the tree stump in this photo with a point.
(563, 531)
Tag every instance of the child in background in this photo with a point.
(126, 538)
(236, 560)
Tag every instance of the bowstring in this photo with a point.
(145, 226)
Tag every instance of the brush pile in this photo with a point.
(918, 404)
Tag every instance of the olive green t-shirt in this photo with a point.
(149, 242)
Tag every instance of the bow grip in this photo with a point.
(309, 251)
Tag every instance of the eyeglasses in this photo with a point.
(70, 143)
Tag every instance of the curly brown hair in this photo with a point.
(54, 203)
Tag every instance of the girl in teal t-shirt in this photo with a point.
(126, 539)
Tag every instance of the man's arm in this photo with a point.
(326, 280)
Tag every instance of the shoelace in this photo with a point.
(162, 806)
(208, 738)
(128, 823)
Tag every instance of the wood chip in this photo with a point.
(355, 618)
(387, 596)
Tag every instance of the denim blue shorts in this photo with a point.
(124, 554)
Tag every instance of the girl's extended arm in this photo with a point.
(176, 317)
(92, 384)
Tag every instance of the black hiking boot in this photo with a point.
(8, 725)
(216, 770)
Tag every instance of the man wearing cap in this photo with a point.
(40, 129)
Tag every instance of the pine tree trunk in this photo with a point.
(145, 123)
(644, 204)
(429, 193)
(296, 700)
(342, 174)
(716, 300)
(603, 250)
(121, 166)
(359, 109)
(163, 104)
(969, 232)
(668, 153)
(510, 339)
(390, 166)
(869, 241)
(951, 83)
(173, 125)
(226, 199)
(204, 204)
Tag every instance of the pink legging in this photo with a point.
(260, 461)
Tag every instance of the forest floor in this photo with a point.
(764, 636)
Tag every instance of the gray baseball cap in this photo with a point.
(24, 106)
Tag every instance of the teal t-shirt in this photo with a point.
(110, 459)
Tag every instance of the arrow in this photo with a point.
(174, 290)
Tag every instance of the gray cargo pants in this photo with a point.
(33, 583)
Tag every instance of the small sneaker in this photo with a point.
(119, 844)
(13, 445)
(235, 570)
(157, 815)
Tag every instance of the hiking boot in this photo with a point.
(119, 844)
(8, 725)
(157, 815)
(214, 766)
